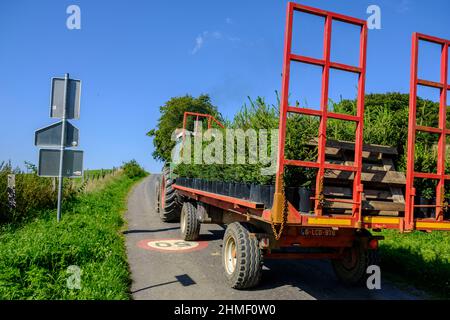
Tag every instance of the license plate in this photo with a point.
(318, 232)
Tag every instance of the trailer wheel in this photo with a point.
(169, 207)
(189, 223)
(351, 270)
(241, 256)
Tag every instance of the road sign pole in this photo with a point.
(62, 147)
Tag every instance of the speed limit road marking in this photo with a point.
(172, 245)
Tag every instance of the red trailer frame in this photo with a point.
(198, 116)
(442, 131)
(326, 64)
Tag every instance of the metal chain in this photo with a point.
(278, 233)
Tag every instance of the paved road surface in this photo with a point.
(199, 274)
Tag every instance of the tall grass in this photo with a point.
(33, 194)
(35, 257)
(422, 258)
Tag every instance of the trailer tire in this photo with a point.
(352, 269)
(169, 204)
(189, 223)
(241, 256)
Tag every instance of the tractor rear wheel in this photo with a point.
(169, 206)
(351, 269)
(241, 256)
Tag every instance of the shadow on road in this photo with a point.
(213, 235)
(184, 279)
(150, 231)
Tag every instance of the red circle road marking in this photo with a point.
(172, 245)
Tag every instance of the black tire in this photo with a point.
(157, 195)
(247, 258)
(169, 209)
(190, 225)
(352, 269)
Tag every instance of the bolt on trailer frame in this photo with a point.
(440, 206)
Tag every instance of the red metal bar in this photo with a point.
(429, 129)
(430, 84)
(412, 123)
(342, 116)
(344, 67)
(324, 108)
(303, 59)
(209, 117)
(357, 185)
(236, 201)
(334, 166)
(300, 163)
(310, 112)
(433, 176)
(436, 40)
(278, 196)
(440, 191)
(323, 13)
(442, 130)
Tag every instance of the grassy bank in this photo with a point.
(423, 259)
(35, 256)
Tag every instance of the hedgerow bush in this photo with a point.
(32, 192)
(133, 170)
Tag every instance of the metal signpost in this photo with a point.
(59, 162)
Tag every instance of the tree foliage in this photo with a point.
(172, 118)
(133, 170)
(386, 123)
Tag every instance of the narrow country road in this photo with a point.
(198, 274)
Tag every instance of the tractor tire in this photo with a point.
(351, 270)
(189, 223)
(169, 205)
(241, 256)
(157, 195)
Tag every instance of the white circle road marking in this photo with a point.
(172, 245)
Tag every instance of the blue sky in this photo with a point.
(132, 56)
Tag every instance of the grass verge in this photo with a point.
(35, 257)
(421, 258)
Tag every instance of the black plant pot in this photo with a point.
(265, 195)
(255, 193)
(232, 189)
(290, 194)
(244, 191)
(219, 187)
(271, 194)
(304, 200)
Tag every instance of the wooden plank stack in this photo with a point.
(383, 185)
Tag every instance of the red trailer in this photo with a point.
(338, 226)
